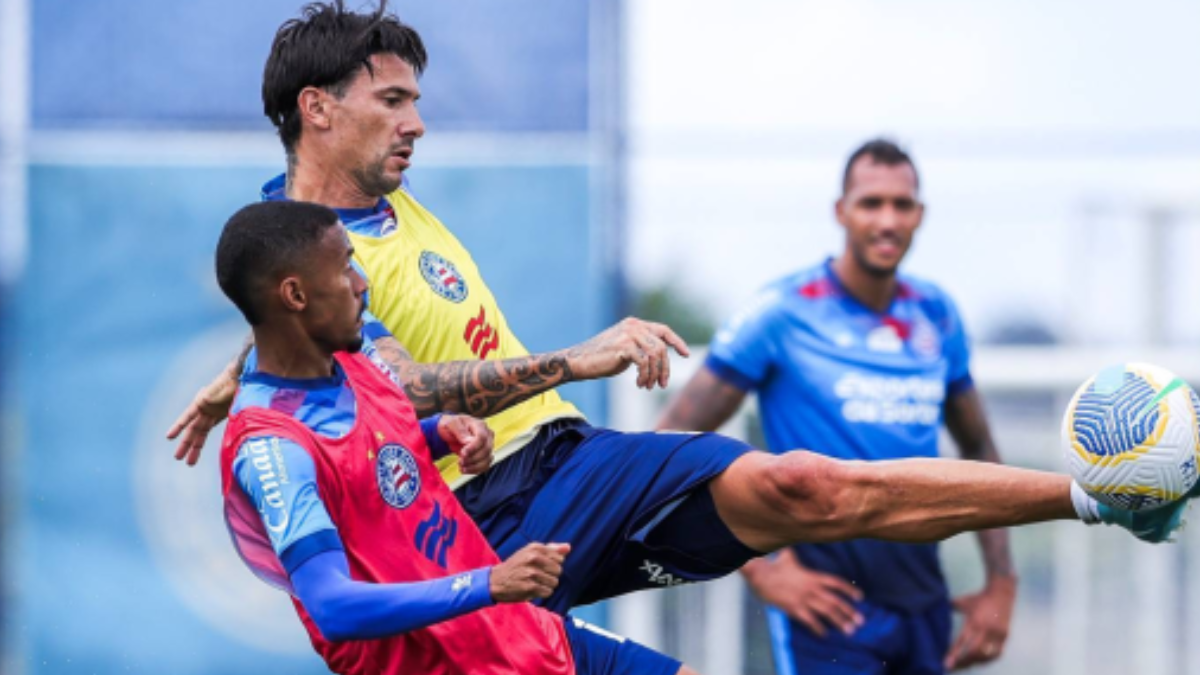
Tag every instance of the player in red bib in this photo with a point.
(340, 503)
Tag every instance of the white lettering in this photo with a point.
(873, 399)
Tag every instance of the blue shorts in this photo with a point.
(889, 643)
(627, 503)
(598, 652)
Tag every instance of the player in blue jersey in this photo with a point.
(853, 359)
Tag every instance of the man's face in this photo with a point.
(880, 212)
(336, 294)
(376, 123)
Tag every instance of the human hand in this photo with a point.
(815, 599)
(210, 405)
(470, 439)
(530, 573)
(630, 342)
(986, 618)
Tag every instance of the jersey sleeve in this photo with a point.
(956, 349)
(345, 609)
(280, 479)
(743, 350)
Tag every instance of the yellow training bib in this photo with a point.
(427, 291)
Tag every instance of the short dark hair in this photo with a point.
(324, 48)
(261, 244)
(881, 151)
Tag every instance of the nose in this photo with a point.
(889, 217)
(412, 126)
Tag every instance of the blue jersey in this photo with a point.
(836, 377)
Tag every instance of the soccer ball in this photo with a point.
(1131, 436)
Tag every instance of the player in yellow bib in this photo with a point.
(639, 510)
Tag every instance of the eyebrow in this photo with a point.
(396, 89)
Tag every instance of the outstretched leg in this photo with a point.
(770, 501)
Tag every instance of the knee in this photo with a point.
(815, 491)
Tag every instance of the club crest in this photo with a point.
(443, 277)
(397, 475)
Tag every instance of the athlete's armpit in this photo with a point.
(478, 388)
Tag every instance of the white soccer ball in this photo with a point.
(1131, 436)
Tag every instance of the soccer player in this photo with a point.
(639, 510)
(852, 359)
(332, 495)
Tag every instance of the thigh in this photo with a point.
(599, 652)
(607, 495)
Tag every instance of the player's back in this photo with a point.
(398, 523)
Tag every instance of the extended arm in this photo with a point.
(478, 388)
(344, 609)
(484, 388)
(279, 478)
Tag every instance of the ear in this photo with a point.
(839, 210)
(291, 293)
(314, 106)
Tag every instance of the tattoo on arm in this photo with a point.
(478, 388)
(967, 423)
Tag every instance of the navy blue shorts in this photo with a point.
(889, 643)
(598, 652)
(627, 503)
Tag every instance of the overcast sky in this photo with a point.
(1045, 131)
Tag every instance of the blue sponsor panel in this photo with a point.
(518, 65)
(123, 560)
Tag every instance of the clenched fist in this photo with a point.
(530, 573)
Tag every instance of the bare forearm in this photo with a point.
(705, 403)
(923, 500)
(997, 561)
(477, 388)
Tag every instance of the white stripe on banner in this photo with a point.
(15, 26)
(262, 148)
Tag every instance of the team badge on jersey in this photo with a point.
(396, 472)
(443, 277)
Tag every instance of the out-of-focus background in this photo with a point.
(599, 158)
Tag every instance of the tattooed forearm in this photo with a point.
(478, 388)
(484, 388)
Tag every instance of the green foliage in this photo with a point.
(684, 314)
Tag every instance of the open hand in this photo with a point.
(630, 342)
(986, 618)
(210, 405)
(814, 599)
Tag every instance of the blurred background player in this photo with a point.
(331, 492)
(852, 359)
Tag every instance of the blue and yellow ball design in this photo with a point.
(1131, 436)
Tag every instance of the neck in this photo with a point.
(291, 355)
(310, 179)
(874, 291)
